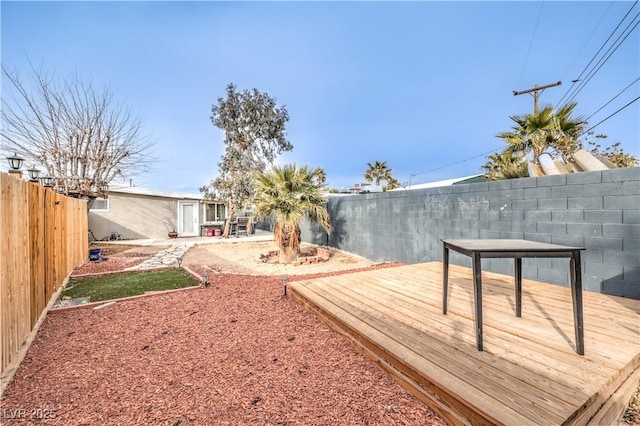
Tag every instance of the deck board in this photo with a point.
(528, 373)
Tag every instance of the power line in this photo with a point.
(587, 41)
(599, 50)
(597, 53)
(498, 149)
(602, 121)
(456, 163)
(604, 60)
(612, 99)
(533, 36)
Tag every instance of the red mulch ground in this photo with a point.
(108, 265)
(237, 352)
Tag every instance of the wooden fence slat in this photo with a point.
(44, 237)
(36, 231)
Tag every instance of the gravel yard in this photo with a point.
(236, 352)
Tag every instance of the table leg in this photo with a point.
(445, 278)
(576, 295)
(518, 275)
(477, 295)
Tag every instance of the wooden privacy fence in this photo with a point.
(43, 237)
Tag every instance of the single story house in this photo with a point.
(365, 188)
(139, 213)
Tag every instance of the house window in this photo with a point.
(100, 205)
(215, 212)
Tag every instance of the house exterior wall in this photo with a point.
(136, 216)
(596, 210)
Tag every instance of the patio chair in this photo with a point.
(242, 226)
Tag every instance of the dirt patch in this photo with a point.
(244, 258)
(232, 258)
(126, 250)
(116, 257)
(141, 251)
(108, 264)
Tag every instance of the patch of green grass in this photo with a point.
(124, 285)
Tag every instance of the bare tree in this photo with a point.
(84, 138)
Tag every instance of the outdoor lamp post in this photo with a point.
(15, 163)
(47, 181)
(33, 174)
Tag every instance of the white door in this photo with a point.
(188, 225)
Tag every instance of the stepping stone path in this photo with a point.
(164, 258)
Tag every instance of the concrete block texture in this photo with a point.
(596, 210)
(621, 202)
(585, 229)
(553, 228)
(585, 203)
(568, 191)
(584, 178)
(555, 180)
(626, 260)
(568, 240)
(552, 203)
(621, 175)
(631, 245)
(621, 230)
(535, 193)
(570, 216)
(523, 183)
(631, 187)
(631, 289)
(602, 189)
(603, 216)
(524, 205)
(630, 216)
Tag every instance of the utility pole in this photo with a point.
(536, 93)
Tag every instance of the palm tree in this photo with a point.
(378, 171)
(288, 194)
(538, 132)
(321, 175)
(505, 165)
(392, 183)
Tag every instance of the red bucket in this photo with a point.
(217, 232)
(209, 232)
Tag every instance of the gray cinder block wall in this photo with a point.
(596, 210)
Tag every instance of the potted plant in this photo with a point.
(173, 234)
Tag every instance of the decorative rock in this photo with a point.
(164, 257)
(307, 256)
(105, 306)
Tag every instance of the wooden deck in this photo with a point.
(528, 373)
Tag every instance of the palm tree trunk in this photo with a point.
(288, 239)
(536, 154)
(287, 255)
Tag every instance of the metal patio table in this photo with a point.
(478, 249)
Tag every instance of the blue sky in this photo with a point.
(425, 86)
